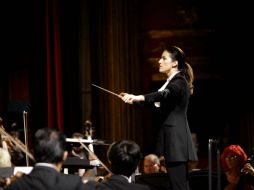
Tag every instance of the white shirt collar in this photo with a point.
(168, 79)
(128, 178)
(46, 165)
(171, 76)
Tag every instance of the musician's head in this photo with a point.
(49, 146)
(14, 132)
(151, 164)
(233, 156)
(124, 157)
(77, 148)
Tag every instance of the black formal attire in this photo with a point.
(47, 178)
(174, 139)
(119, 182)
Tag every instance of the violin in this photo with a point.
(11, 141)
(246, 181)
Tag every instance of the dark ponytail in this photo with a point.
(188, 72)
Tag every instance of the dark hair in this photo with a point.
(178, 55)
(124, 156)
(49, 145)
(77, 135)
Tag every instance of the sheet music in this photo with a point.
(79, 140)
(23, 169)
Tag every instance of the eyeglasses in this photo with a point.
(231, 157)
(151, 165)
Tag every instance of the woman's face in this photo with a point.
(166, 63)
(232, 161)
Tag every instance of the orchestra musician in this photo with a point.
(124, 157)
(9, 144)
(13, 144)
(50, 153)
(12, 141)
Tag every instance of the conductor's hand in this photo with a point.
(130, 98)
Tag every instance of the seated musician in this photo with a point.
(50, 154)
(233, 159)
(17, 155)
(124, 157)
(151, 164)
(79, 152)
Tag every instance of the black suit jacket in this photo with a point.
(118, 182)
(46, 178)
(174, 139)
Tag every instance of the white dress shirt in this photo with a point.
(157, 104)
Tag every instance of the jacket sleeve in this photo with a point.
(172, 91)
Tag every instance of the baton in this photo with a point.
(106, 90)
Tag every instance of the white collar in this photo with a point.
(128, 178)
(168, 79)
(46, 165)
(171, 76)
